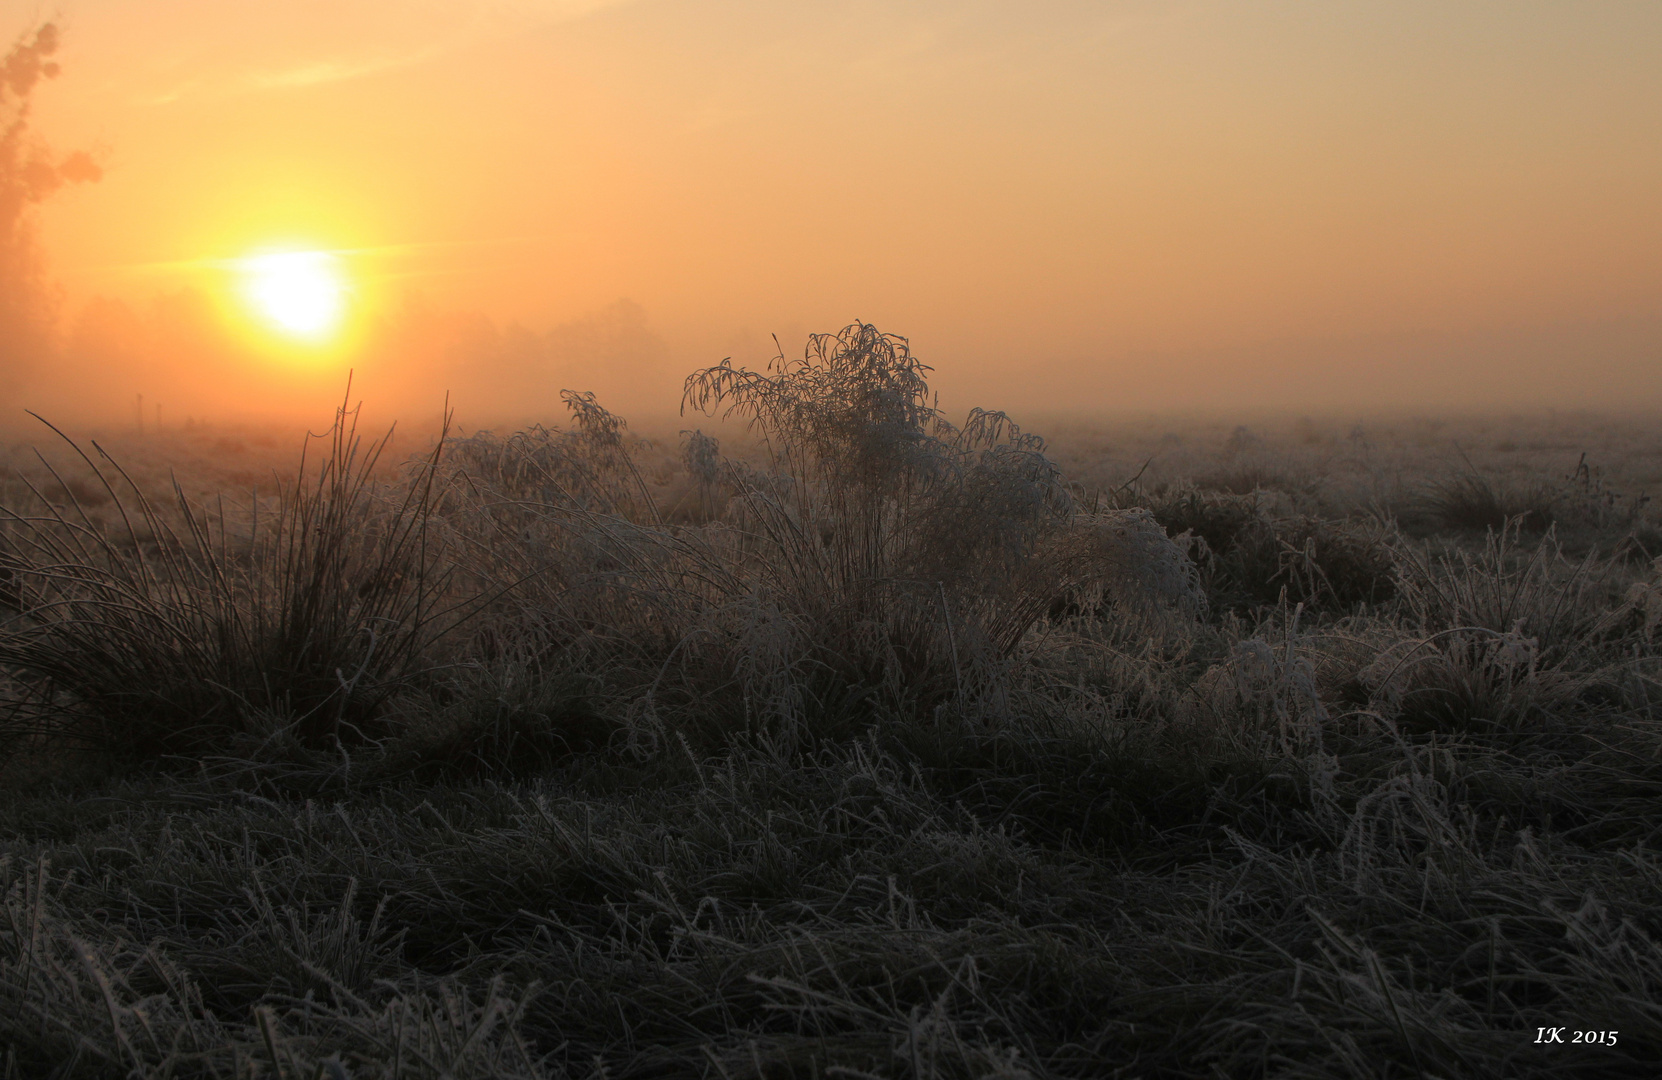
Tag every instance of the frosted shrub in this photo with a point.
(869, 546)
(912, 544)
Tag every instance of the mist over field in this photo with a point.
(1066, 207)
(174, 354)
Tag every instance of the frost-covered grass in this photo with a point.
(875, 749)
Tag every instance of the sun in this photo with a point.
(300, 295)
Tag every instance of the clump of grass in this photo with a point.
(1509, 585)
(1469, 678)
(1511, 637)
(1337, 565)
(182, 633)
(1253, 556)
(1469, 500)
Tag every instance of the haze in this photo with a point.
(1080, 207)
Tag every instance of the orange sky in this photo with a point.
(1066, 205)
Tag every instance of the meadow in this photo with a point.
(863, 745)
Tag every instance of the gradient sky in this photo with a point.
(1065, 205)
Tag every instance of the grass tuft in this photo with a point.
(188, 628)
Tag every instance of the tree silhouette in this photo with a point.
(29, 174)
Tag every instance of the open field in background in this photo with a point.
(1374, 462)
(877, 747)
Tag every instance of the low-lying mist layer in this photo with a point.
(871, 747)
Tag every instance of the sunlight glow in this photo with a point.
(299, 294)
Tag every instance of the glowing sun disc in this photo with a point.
(301, 294)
